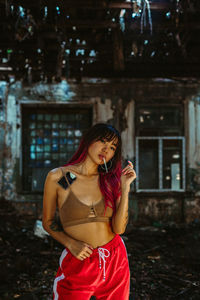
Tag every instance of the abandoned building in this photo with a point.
(65, 65)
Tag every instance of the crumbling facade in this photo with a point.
(159, 120)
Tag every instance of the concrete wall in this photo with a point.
(113, 101)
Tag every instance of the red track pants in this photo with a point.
(105, 274)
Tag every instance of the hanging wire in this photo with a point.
(142, 7)
(143, 22)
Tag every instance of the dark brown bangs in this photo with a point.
(106, 132)
(109, 136)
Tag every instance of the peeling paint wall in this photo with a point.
(194, 143)
(104, 110)
(129, 132)
(160, 208)
(3, 91)
(114, 102)
(194, 133)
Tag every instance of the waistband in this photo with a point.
(110, 245)
(104, 251)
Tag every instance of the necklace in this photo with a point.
(92, 211)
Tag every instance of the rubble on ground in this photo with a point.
(164, 259)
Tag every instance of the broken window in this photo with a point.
(50, 137)
(160, 149)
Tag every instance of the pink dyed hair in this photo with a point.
(109, 182)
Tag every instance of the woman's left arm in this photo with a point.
(120, 219)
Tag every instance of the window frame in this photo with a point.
(41, 105)
(160, 157)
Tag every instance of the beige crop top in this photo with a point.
(74, 212)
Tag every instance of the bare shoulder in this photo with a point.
(54, 175)
(71, 168)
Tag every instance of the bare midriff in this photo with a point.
(95, 234)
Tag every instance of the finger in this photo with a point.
(88, 249)
(125, 169)
(132, 173)
(82, 256)
(128, 169)
(89, 252)
(89, 246)
(86, 254)
(129, 175)
(130, 163)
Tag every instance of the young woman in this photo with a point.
(91, 193)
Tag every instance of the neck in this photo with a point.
(88, 167)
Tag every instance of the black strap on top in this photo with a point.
(64, 174)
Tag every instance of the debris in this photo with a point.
(153, 257)
(164, 264)
(39, 230)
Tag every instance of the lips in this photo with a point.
(101, 156)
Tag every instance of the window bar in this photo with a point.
(183, 163)
(137, 163)
(160, 160)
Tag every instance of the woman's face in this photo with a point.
(102, 149)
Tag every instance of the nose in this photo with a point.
(105, 148)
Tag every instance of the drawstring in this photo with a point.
(102, 256)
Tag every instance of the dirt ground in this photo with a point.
(164, 259)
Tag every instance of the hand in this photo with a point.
(80, 249)
(128, 175)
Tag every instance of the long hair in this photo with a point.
(109, 182)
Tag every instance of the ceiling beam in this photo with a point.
(83, 24)
(94, 6)
(153, 5)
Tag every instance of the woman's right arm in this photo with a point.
(49, 210)
(77, 248)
